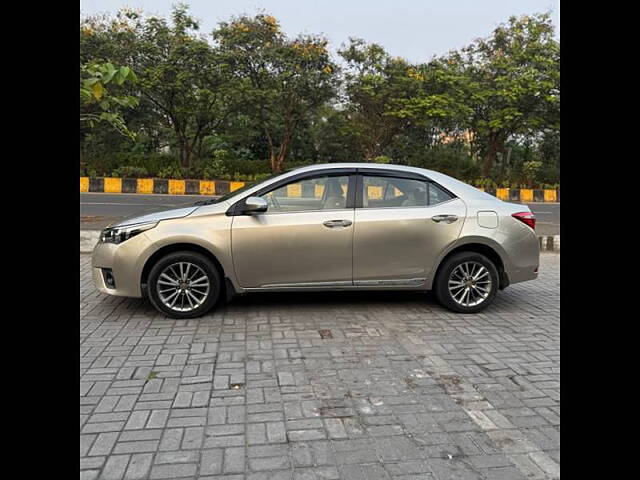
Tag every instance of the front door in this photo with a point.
(401, 226)
(304, 239)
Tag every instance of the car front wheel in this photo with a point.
(184, 285)
(467, 282)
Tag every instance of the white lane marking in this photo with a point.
(132, 204)
(148, 194)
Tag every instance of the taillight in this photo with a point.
(526, 217)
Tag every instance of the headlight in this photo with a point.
(121, 234)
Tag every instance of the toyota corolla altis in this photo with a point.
(341, 226)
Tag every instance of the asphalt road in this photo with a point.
(99, 209)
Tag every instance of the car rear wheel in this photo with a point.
(467, 282)
(184, 285)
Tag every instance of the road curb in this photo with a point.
(89, 239)
(222, 187)
(549, 243)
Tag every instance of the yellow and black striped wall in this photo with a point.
(157, 185)
(221, 187)
(525, 195)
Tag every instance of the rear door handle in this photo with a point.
(444, 218)
(337, 223)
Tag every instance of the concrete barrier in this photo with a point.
(157, 185)
(222, 187)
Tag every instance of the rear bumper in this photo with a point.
(523, 257)
(523, 274)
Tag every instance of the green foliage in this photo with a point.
(531, 170)
(376, 85)
(97, 100)
(129, 171)
(247, 99)
(171, 171)
(105, 164)
(485, 183)
(282, 82)
(512, 83)
(216, 167)
(382, 159)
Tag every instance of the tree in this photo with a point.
(183, 77)
(281, 81)
(183, 83)
(376, 85)
(513, 83)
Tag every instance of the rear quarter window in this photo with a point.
(438, 195)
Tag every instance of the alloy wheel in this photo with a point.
(469, 284)
(183, 286)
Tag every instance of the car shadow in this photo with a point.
(333, 298)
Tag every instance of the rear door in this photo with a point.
(401, 226)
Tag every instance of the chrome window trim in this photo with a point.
(308, 211)
(424, 206)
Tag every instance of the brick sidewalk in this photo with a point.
(323, 386)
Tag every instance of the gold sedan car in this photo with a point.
(352, 226)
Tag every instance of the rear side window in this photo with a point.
(438, 194)
(386, 192)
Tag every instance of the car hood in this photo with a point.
(156, 216)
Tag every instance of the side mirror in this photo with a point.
(254, 205)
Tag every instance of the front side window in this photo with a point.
(317, 193)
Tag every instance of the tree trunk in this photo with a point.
(279, 155)
(187, 157)
(282, 154)
(274, 161)
(183, 153)
(495, 145)
(488, 161)
(370, 152)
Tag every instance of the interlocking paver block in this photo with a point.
(402, 389)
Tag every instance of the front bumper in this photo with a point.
(126, 261)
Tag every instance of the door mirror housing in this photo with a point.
(254, 205)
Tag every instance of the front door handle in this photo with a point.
(337, 223)
(444, 218)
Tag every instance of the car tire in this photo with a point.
(178, 270)
(469, 292)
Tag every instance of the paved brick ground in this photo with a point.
(322, 386)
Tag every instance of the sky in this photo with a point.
(413, 29)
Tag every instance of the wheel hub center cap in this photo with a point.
(183, 286)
